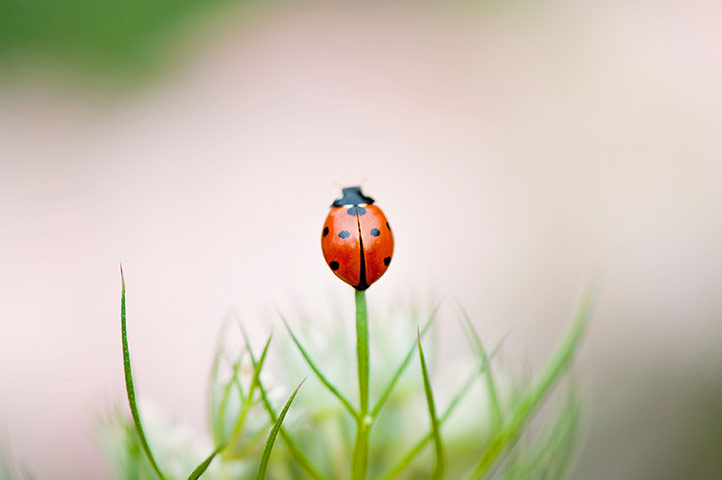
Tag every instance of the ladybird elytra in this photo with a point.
(356, 239)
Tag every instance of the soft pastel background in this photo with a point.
(516, 147)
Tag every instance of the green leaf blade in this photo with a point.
(272, 436)
(225, 398)
(213, 417)
(129, 387)
(247, 401)
(296, 452)
(402, 367)
(456, 400)
(201, 469)
(435, 429)
(480, 351)
(558, 364)
(335, 391)
(553, 450)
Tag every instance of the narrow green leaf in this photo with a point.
(272, 436)
(566, 439)
(400, 370)
(435, 430)
(484, 365)
(238, 385)
(258, 367)
(318, 373)
(252, 441)
(549, 377)
(248, 400)
(214, 421)
(225, 398)
(478, 347)
(552, 450)
(201, 469)
(129, 382)
(456, 400)
(296, 452)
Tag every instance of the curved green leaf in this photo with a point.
(549, 377)
(435, 430)
(413, 451)
(272, 436)
(400, 370)
(130, 389)
(318, 373)
(201, 469)
(296, 452)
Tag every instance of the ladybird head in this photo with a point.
(352, 196)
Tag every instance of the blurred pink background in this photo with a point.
(514, 150)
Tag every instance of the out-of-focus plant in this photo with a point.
(399, 428)
(10, 469)
(114, 39)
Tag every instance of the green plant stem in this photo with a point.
(363, 423)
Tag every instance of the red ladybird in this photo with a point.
(357, 242)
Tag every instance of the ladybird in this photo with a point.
(356, 240)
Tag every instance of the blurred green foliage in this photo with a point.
(488, 435)
(108, 36)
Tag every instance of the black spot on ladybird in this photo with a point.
(334, 265)
(387, 260)
(356, 210)
(344, 234)
(325, 231)
(375, 232)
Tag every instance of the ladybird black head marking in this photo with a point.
(387, 260)
(334, 265)
(325, 231)
(344, 234)
(352, 196)
(356, 210)
(375, 232)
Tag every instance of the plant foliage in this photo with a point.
(384, 437)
